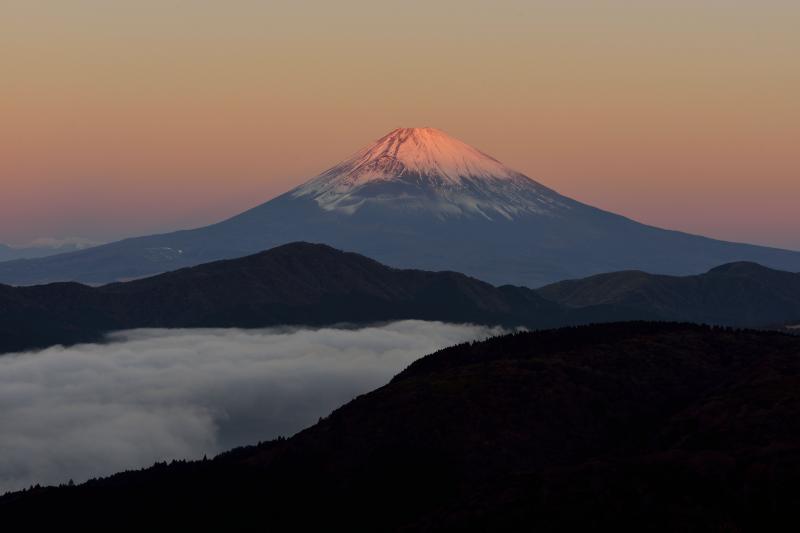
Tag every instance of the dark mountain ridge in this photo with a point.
(315, 285)
(296, 284)
(626, 426)
(736, 294)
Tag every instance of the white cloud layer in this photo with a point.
(154, 395)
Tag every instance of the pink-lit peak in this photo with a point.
(424, 151)
(425, 169)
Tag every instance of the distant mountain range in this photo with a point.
(735, 294)
(617, 427)
(418, 198)
(314, 285)
(43, 248)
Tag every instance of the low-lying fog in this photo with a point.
(154, 395)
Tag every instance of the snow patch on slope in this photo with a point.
(424, 169)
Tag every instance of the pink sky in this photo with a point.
(149, 116)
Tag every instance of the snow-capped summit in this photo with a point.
(420, 151)
(425, 169)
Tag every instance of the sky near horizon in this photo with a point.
(124, 118)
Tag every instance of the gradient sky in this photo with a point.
(129, 117)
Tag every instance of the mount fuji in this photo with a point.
(424, 171)
(418, 198)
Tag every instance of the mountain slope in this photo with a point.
(740, 294)
(418, 198)
(634, 427)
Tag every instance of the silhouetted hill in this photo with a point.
(738, 294)
(313, 284)
(298, 283)
(626, 426)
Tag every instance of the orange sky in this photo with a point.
(122, 118)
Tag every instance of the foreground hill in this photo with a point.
(738, 294)
(627, 426)
(418, 198)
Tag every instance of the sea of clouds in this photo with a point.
(155, 395)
